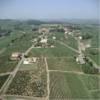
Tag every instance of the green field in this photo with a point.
(69, 41)
(67, 86)
(63, 64)
(91, 82)
(94, 54)
(6, 65)
(95, 95)
(58, 51)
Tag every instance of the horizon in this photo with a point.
(49, 9)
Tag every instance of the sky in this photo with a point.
(49, 9)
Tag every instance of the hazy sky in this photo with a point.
(49, 9)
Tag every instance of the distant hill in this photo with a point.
(57, 21)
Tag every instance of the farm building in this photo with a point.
(80, 59)
(54, 38)
(30, 60)
(43, 30)
(44, 41)
(16, 56)
(80, 37)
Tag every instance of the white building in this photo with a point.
(43, 40)
(53, 37)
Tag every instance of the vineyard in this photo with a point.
(71, 86)
(2, 80)
(30, 82)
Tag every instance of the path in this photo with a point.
(48, 80)
(7, 73)
(80, 73)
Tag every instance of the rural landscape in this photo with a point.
(49, 61)
(52, 53)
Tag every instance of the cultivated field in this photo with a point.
(30, 82)
(65, 86)
(63, 64)
(2, 80)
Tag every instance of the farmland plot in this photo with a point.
(65, 86)
(30, 82)
(65, 64)
(2, 80)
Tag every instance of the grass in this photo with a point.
(64, 64)
(91, 82)
(65, 86)
(2, 80)
(5, 64)
(58, 51)
(96, 95)
(71, 42)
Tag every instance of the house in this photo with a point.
(43, 30)
(80, 37)
(16, 56)
(44, 41)
(80, 59)
(54, 38)
(52, 46)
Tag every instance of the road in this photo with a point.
(11, 76)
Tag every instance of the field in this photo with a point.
(69, 40)
(63, 64)
(2, 80)
(5, 64)
(28, 66)
(30, 82)
(65, 86)
(58, 51)
(94, 54)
